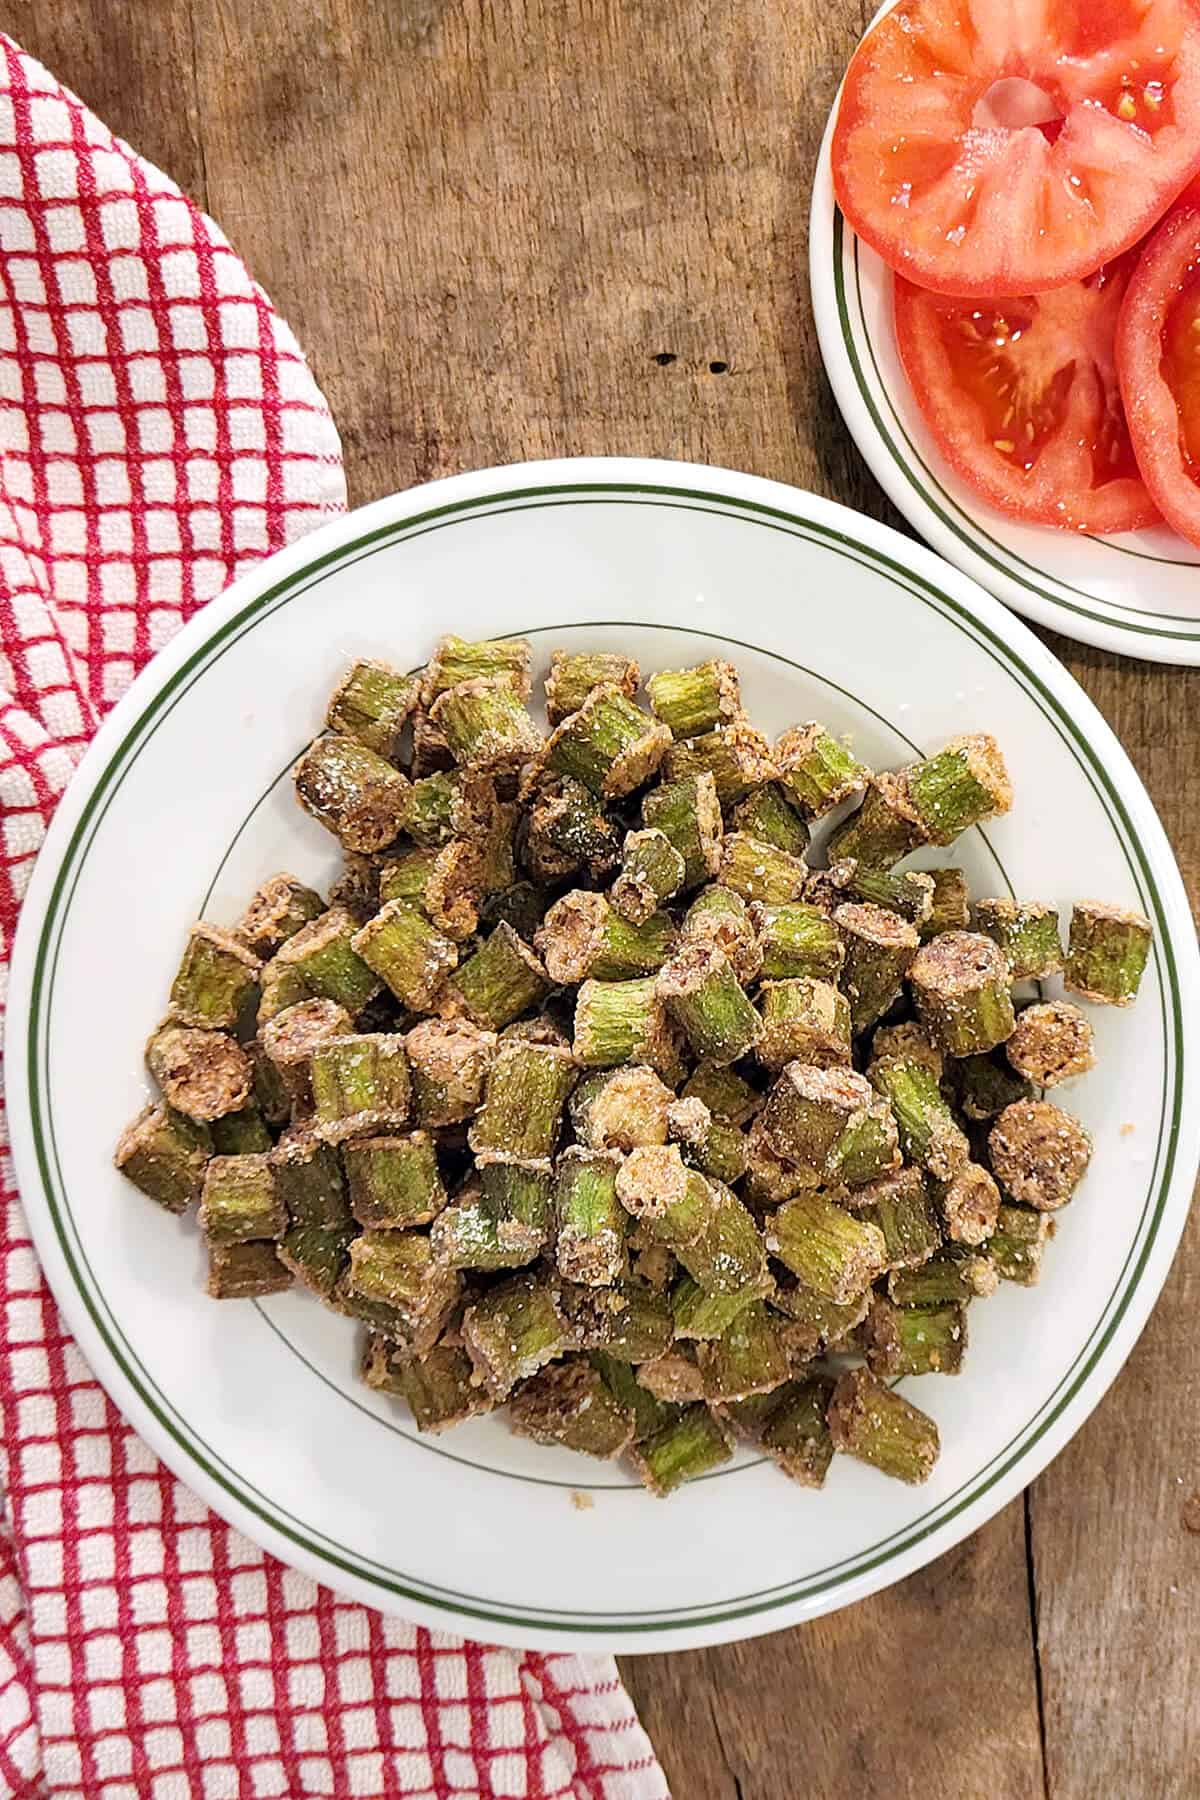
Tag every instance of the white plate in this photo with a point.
(183, 803)
(1137, 593)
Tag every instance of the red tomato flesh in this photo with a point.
(1023, 398)
(1158, 358)
(1011, 146)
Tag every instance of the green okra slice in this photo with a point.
(590, 1249)
(769, 1178)
(501, 1224)
(512, 1330)
(698, 1314)
(409, 954)
(629, 1322)
(901, 1206)
(324, 955)
(276, 912)
(1039, 1153)
(317, 1255)
(707, 1144)
(760, 871)
(239, 1200)
(499, 981)
(309, 1181)
(216, 980)
(164, 1153)
(879, 1426)
(394, 1182)
(202, 1074)
(431, 813)
(1107, 950)
(816, 1323)
(653, 1182)
(818, 770)
(621, 1109)
(290, 1038)
(736, 756)
(798, 939)
(749, 1357)
(804, 1021)
(652, 870)
(246, 1271)
(880, 946)
(915, 1340)
(574, 674)
(673, 1378)
(609, 745)
(688, 813)
(884, 828)
(929, 1134)
(727, 1256)
(360, 1084)
(1051, 1042)
(951, 905)
(565, 831)
(983, 1086)
(692, 1445)
(582, 938)
(352, 792)
(372, 703)
(486, 724)
(829, 1125)
(908, 1038)
(1027, 932)
(396, 1269)
(438, 1386)
(618, 1022)
(719, 916)
(795, 1433)
(702, 994)
(649, 1414)
(959, 786)
(692, 701)
(571, 1404)
(442, 882)
(961, 989)
(769, 815)
(1017, 1243)
(448, 1063)
(729, 1097)
(908, 892)
(241, 1133)
(456, 660)
(953, 1276)
(283, 985)
(526, 1090)
(836, 1253)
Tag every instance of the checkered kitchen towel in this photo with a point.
(159, 432)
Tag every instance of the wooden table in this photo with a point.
(562, 227)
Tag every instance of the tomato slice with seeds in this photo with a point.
(1023, 398)
(1010, 146)
(1158, 359)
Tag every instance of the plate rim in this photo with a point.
(620, 477)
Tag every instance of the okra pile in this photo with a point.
(626, 1078)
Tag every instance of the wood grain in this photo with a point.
(491, 227)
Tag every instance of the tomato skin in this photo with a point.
(1165, 276)
(1022, 398)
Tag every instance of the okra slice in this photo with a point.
(910, 1039)
(703, 995)
(324, 955)
(372, 703)
(437, 1386)
(448, 1063)
(915, 1340)
(727, 1256)
(572, 1405)
(239, 1200)
(590, 1249)
(710, 1145)
(431, 812)
(527, 1087)
(498, 982)
(960, 987)
(690, 1446)
(880, 946)
(736, 756)
(796, 1435)
(582, 938)
(761, 872)
(673, 1378)
(798, 939)
(697, 1314)
(688, 813)
(818, 770)
(512, 1331)
(544, 1029)
(769, 1178)
(830, 1125)
(1051, 1043)
(394, 1182)
(309, 1181)
(952, 1276)
(501, 1224)
(407, 952)
(719, 916)
(1027, 932)
(728, 1096)
(282, 985)
(651, 871)
(245, 1271)
(831, 1251)
(290, 1038)
(816, 1323)
(443, 883)
(803, 1021)
(951, 907)
(1039, 1153)
(456, 660)
(959, 786)
(241, 1133)
(202, 1074)
(907, 892)
(164, 1154)
(574, 674)
(969, 1202)
(649, 1415)
(929, 1134)
(1107, 950)
(317, 1255)
(276, 912)
(692, 701)
(621, 1110)
(879, 1426)
(486, 724)
(984, 1086)
(610, 745)
(652, 1180)
(769, 815)
(352, 792)
(565, 831)
(629, 1322)
(216, 980)
(903, 1209)
(1017, 1243)
(618, 1022)
(396, 1269)
(360, 1084)
(884, 828)
(749, 1357)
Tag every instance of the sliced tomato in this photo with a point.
(1010, 146)
(1158, 359)
(1023, 398)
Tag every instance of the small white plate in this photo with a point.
(183, 803)
(1137, 593)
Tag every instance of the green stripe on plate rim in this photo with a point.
(912, 466)
(137, 739)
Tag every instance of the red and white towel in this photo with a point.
(159, 433)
